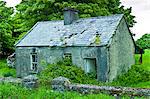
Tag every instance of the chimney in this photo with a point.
(70, 15)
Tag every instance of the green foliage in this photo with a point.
(8, 74)
(146, 60)
(6, 39)
(134, 76)
(144, 41)
(137, 76)
(5, 71)
(17, 92)
(66, 69)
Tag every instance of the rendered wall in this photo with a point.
(48, 55)
(121, 52)
(45, 55)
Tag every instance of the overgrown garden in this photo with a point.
(138, 76)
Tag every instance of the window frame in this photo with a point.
(67, 56)
(34, 62)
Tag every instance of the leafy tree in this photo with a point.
(144, 41)
(6, 39)
(31, 11)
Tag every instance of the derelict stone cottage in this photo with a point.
(99, 44)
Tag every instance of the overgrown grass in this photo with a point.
(9, 91)
(17, 92)
(5, 71)
(137, 76)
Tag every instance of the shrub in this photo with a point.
(3, 64)
(135, 75)
(66, 69)
(5, 70)
(8, 74)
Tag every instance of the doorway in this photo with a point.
(91, 66)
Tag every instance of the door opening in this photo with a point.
(91, 66)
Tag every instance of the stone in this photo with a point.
(10, 80)
(30, 81)
(11, 60)
(13, 80)
(59, 83)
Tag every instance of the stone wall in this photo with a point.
(12, 80)
(63, 84)
(30, 81)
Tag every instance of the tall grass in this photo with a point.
(5, 71)
(8, 91)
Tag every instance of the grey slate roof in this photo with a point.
(80, 33)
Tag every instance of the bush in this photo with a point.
(8, 74)
(66, 69)
(134, 76)
(5, 70)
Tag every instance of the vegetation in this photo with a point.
(66, 69)
(144, 41)
(14, 26)
(6, 38)
(137, 76)
(5, 71)
(15, 92)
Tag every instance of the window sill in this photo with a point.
(33, 72)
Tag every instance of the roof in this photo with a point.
(80, 33)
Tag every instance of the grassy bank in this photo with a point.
(8, 91)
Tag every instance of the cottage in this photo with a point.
(99, 44)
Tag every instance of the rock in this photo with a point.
(11, 60)
(1, 80)
(11, 80)
(59, 83)
(30, 81)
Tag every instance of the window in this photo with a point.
(67, 59)
(34, 62)
(68, 56)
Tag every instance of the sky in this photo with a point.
(140, 9)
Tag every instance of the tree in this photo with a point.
(6, 39)
(31, 11)
(144, 42)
